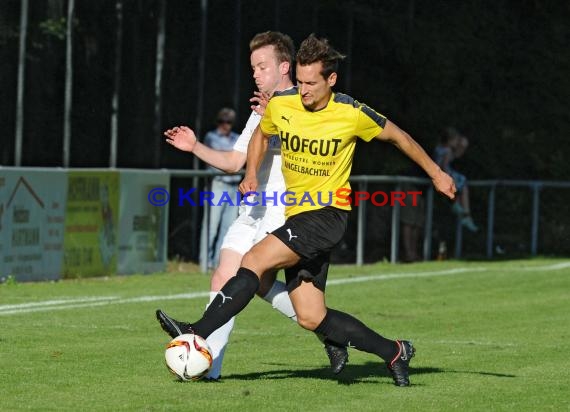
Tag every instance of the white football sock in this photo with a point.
(218, 341)
(279, 299)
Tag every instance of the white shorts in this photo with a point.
(252, 225)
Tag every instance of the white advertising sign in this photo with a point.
(142, 225)
(32, 215)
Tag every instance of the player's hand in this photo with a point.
(248, 184)
(260, 100)
(444, 184)
(181, 137)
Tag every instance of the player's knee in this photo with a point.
(253, 261)
(308, 322)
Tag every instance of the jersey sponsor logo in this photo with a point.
(287, 119)
(311, 171)
(322, 147)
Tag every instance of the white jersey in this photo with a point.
(269, 177)
(255, 222)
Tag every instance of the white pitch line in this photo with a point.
(475, 342)
(86, 302)
(100, 301)
(555, 266)
(404, 275)
(105, 300)
(56, 302)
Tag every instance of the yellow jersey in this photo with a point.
(317, 147)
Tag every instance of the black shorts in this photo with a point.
(312, 235)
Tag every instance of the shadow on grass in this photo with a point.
(350, 375)
(498, 375)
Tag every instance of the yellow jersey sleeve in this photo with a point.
(369, 123)
(317, 147)
(266, 124)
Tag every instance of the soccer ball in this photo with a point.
(188, 357)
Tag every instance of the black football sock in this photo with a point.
(345, 330)
(234, 296)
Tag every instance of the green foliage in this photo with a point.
(495, 71)
(54, 27)
(490, 336)
(9, 280)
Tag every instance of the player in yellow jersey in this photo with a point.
(272, 56)
(318, 131)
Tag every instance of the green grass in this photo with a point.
(489, 336)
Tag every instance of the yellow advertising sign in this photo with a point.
(91, 224)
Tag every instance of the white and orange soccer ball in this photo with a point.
(188, 357)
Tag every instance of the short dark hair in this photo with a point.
(314, 50)
(284, 47)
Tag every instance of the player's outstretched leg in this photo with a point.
(234, 296)
(172, 326)
(344, 329)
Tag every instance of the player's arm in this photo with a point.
(184, 138)
(403, 141)
(229, 162)
(255, 152)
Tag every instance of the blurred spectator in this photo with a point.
(222, 216)
(412, 218)
(452, 146)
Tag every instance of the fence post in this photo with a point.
(429, 224)
(24, 12)
(395, 227)
(68, 85)
(361, 227)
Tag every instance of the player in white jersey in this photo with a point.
(272, 55)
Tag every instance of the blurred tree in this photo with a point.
(496, 69)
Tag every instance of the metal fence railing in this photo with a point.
(531, 216)
(361, 183)
(534, 185)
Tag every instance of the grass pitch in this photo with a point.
(489, 336)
